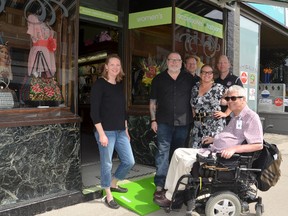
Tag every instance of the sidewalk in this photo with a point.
(275, 200)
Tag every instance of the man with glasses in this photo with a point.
(243, 134)
(171, 114)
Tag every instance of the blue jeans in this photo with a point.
(169, 138)
(119, 141)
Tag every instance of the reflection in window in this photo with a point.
(149, 48)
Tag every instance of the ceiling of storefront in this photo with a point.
(281, 3)
(271, 39)
(273, 34)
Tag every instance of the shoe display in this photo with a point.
(159, 194)
(112, 204)
(119, 189)
(162, 201)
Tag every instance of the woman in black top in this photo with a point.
(109, 117)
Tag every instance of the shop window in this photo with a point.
(149, 49)
(37, 65)
(192, 28)
(202, 32)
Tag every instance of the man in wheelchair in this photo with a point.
(243, 134)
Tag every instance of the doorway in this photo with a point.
(95, 43)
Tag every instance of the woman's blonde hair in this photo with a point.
(105, 71)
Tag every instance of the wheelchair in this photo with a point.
(218, 186)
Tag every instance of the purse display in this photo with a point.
(41, 90)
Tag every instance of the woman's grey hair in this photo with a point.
(239, 89)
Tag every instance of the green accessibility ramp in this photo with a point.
(139, 197)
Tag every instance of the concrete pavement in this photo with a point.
(275, 200)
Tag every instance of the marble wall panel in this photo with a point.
(143, 140)
(39, 160)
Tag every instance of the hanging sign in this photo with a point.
(155, 17)
(198, 23)
(98, 14)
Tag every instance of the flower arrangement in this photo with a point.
(267, 72)
(151, 68)
(45, 89)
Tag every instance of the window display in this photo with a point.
(42, 44)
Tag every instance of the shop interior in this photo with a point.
(273, 68)
(95, 43)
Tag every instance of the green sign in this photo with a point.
(98, 14)
(150, 18)
(193, 21)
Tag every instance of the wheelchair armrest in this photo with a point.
(237, 156)
(203, 159)
(240, 159)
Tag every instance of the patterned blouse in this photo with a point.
(204, 106)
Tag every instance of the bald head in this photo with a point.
(223, 65)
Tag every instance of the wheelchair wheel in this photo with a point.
(224, 203)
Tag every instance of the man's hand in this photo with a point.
(228, 153)
(154, 126)
(207, 140)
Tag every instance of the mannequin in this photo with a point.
(42, 37)
(5, 66)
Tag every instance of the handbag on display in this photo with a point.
(41, 90)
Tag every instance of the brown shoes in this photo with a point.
(158, 194)
(160, 198)
(162, 201)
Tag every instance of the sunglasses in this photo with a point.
(233, 98)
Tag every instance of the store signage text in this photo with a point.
(98, 14)
(193, 21)
(150, 18)
(184, 18)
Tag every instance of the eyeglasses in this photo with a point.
(175, 60)
(207, 72)
(233, 98)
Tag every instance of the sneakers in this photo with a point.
(112, 204)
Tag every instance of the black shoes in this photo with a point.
(112, 204)
(119, 189)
